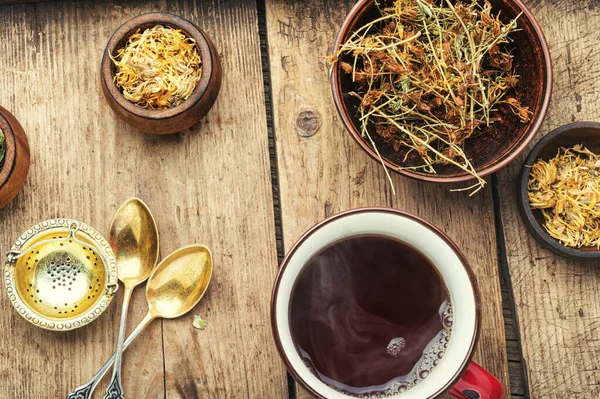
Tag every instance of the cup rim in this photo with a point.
(447, 240)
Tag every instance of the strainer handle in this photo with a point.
(113, 285)
(111, 288)
(13, 255)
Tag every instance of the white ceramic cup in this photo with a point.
(451, 265)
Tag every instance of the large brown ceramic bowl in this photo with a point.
(489, 152)
(182, 116)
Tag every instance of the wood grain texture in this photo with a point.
(322, 171)
(556, 300)
(208, 185)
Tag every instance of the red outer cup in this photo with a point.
(477, 383)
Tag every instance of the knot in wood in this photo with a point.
(308, 123)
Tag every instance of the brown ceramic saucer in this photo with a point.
(16, 162)
(489, 152)
(186, 114)
(586, 133)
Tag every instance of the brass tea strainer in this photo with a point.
(60, 274)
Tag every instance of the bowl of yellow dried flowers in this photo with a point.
(442, 90)
(160, 73)
(559, 196)
(14, 157)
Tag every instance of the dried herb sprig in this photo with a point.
(199, 323)
(567, 191)
(158, 68)
(2, 147)
(431, 74)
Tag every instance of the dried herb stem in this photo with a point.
(426, 143)
(429, 75)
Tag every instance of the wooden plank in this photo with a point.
(210, 185)
(322, 171)
(517, 382)
(516, 365)
(556, 300)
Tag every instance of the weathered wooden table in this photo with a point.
(269, 161)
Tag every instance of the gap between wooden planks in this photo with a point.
(558, 307)
(209, 185)
(322, 171)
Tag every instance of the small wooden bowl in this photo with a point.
(13, 171)
(488, 152)
(182, 116)
(586, 133)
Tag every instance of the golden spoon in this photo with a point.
(174, 288)
(134, 239)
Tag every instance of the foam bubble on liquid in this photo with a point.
(395, 346)
(432, 356)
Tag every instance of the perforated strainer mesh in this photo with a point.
(61, 275)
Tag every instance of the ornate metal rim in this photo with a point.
(69, 324)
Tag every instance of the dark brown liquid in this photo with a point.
(355, 299)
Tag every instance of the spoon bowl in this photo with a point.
(179, 281)
(134, 239)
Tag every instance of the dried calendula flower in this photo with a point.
(199, 323)
(2, 147)
(158, 68)
(567, 191)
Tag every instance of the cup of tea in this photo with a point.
(378, 303)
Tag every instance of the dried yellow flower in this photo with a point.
(158, 68)
(567, 191)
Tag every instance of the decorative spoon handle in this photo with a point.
(85, 391)
(114, 390)
(115, 387)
